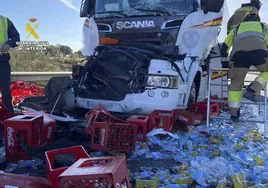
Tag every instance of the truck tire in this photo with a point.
(193, 95)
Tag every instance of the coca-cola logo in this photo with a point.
(102, 136)
(184, 119)
(49, 132)
(197, 121)
(10, 139)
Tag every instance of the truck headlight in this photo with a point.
(170, 82)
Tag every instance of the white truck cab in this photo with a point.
(159, 60)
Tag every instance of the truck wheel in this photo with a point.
(193, 96)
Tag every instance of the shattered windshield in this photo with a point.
(128, 8)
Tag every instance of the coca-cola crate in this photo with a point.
(8, 180)
(31, 127)
(20, 90)
(161, 119)
(223, 104)
(49, 125)
(108, 136)
(18, 84)
(184, 118)
(36, 90)
(99, 108)
(141, 123)
(96, 172)
(99, 116)
(69, 155)
(4, 114)
(201, 107)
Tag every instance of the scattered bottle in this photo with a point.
(222, 183)
(236, 181)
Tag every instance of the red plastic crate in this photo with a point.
(8, 180)
(141, 123)
(31, 127)
(99, 108)
(4, 114)
(102, 171)
(109, 136)
(201, 107)
(36, 91)
(99, 116)
(184, 118)
(53, 172)
(19, 84)
(161, 119)
(20, 90)
(49, 125)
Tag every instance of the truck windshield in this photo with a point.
(129, 8)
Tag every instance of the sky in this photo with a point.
(59, 20)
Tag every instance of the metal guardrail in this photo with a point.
(36, 76)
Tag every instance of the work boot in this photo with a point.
(236, 118)
(250, 95)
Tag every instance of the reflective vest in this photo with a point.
(239, 16)
(3, 30)
(250, 29)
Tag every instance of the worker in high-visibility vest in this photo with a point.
(249, 40)
(9, 36)
(240, 14)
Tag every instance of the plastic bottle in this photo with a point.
(2, 155)
(245, 138)
(242, 178)
(30, 163)
(162, 176)
(145, 183)
(259, 186)
(222, 183)
(199, 178)
(161, 123)
(142, 152)
(237, 159)
(190, 145)
(216, 152)
(259, 160)
(146, 175)
(11, 167)
(176, 186)
(240, 145)
(195, 153)
(184, 180)
(236, 181)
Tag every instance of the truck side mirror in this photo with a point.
(85, 8)
(212, 5)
